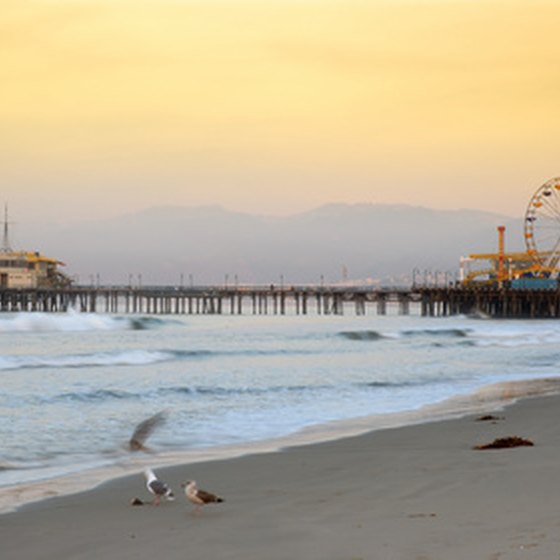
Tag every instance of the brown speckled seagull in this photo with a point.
(198, 497)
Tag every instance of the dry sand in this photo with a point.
(419, 492)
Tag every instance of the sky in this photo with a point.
(275, 106)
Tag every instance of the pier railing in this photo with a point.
(298, 300)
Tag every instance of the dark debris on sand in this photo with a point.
(506, 443)
(489, 418)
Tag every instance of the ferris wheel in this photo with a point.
(542, 226)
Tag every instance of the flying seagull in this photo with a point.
(144, 430)
(157, 487)
(199, 497)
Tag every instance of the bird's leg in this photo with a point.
(157, 500)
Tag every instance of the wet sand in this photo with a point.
(418, 492)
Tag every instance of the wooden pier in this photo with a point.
(505, 302)
(210, 300)
(294, 300)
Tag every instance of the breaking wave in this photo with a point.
(127, 358)
(361, 335)
(452, 333)
(72, 321)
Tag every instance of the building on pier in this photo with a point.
(28, 269)
(24, 269)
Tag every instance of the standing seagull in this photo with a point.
(199, 497)
(157, 487)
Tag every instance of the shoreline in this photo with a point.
(417, 492)
(487, 398)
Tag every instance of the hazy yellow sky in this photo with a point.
(276, 106)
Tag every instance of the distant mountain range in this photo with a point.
(209, 244)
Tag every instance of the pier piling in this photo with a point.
(333, 300)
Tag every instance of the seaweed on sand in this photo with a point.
(489, 417)
(506, 443)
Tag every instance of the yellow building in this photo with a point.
(23, 269)
(28, 269)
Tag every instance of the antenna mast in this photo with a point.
(6, 238)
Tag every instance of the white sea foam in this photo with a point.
(63, 322)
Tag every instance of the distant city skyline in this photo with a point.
(275, 107)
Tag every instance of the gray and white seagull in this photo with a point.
(157, 487)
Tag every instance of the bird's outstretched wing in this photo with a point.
(144, 430)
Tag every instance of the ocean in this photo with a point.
(74, 385)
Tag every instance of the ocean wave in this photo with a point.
(392, 384)
(517, 336)
(235, 391)
(103, 395)
(396, 383)
(451, 333)
(97, 395)
(361, 335)
(144, 323)
(19, 464)
(72, 321)
(126, 358)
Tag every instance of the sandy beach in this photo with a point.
(418, 492)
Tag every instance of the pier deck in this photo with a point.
(298, 300)
(209, 300)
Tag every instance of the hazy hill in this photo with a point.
(360, 241)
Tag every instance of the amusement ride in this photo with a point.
(539, 265)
